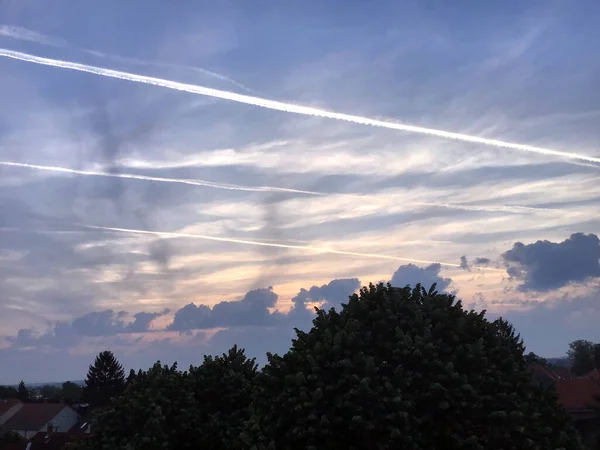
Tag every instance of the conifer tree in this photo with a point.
(23, 392)
(105, 380)
(131, 377)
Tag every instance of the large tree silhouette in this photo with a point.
(105, 379)
(408, 369)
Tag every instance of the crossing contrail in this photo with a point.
(514, 209)
(23, 34)
(309, 248)
(131, 176)
(288, 107)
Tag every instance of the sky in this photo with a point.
(174, 181)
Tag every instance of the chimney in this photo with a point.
(49, 428)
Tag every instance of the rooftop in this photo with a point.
(5, 405)
(578, 393)
(33, 416)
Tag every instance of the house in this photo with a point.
(580, 396)
(32, 418)
(543, 375)
(8, 408)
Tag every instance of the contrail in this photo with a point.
(231, 187)
(23, 34)
(515, 209)
(310, 248)
(286, 107)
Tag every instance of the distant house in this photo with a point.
(580, 396)
(32, 418)
(543, 375)
(8, 408)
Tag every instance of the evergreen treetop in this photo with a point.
(105, 379)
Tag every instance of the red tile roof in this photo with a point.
(5, 405)
(594, 375)
(578, 393)
(33, 416)
(562, 372)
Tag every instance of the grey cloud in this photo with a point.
(411, 274)
(251, 310)
(333, 294)
(514, 273)
(102, 323)
(191, 317)
(546, 265)
(481, 261)
(143, 319)
(63, 334)
(464, 264)
(247, 322)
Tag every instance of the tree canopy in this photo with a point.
(163, 408)
(23, 392)
(582, 353)
(71, 392)
(224, 387)
(105, 380)
(533, 358)
(405, 368)
(8, 392)
(8, 436)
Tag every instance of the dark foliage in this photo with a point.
(533, 358)
(581, 354)
(105, 380)
(163, 408)
(23, 392)
(224, 386)
(158, 413)
(8, 392)
(71, 392)
(131, 377)
(407, 369)
(8, 436)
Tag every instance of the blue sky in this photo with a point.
(526, 223)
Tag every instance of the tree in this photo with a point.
(405, 368)
(131, 377)
(23, 392)
(8, 436)
(71, 392)
(533, 358)
(105, 380)
(597, 356)
(158, 413)
(224, 388)
(50, 393)
(8, 392)
(581, 354)
(203, 408)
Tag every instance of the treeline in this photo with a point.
(394, 368)
(68, 392)
(583, 357)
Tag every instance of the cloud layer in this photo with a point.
(82, 156)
